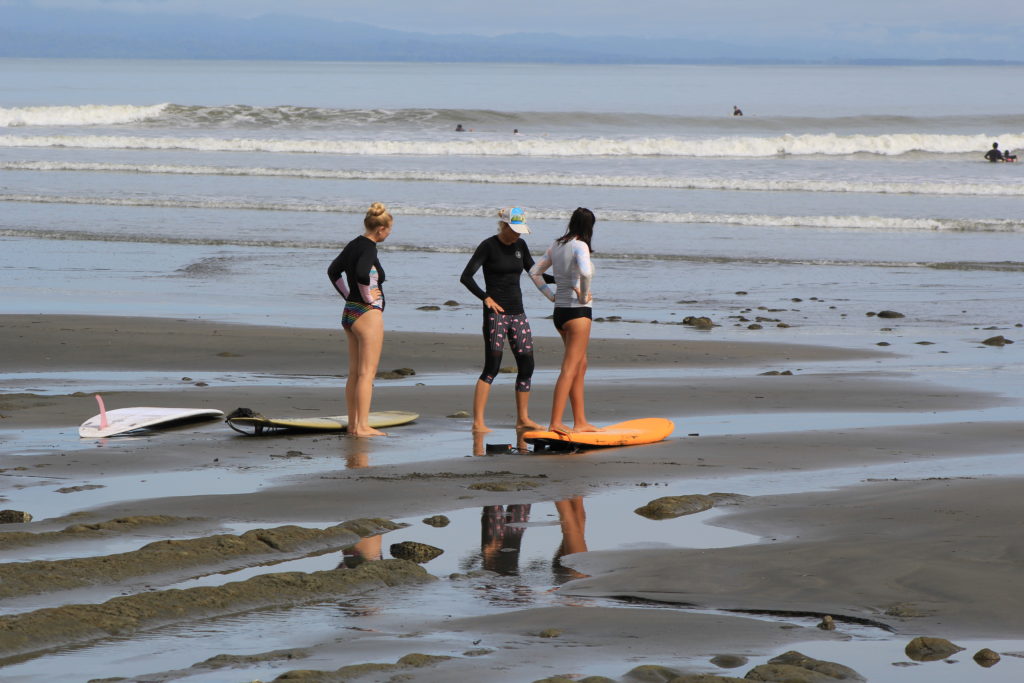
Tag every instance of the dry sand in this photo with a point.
(920, 555)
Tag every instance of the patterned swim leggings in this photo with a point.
(354, 309)
(516, 328)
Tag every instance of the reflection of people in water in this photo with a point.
(369, 548)
(573, 518)
(994, 154)
(736, 111)
(501, 537)
(366, 550)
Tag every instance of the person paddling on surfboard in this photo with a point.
(503, 257)
(357, 275)
(569, 259)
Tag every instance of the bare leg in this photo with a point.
(576, 337)
(480, 396)
(523, 420)
(579, 416)
(353, 377)
(368, 333)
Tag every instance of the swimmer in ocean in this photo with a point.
(994, 154)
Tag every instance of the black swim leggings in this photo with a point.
(516, 328)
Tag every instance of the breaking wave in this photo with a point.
(300, 117)
(866, 223)
(558, 179)
(81, 235)
(82, 115)
(734, 146)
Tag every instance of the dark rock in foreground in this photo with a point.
(998, 340)
(419, 553)
(14, 517)
(925, 649)
(794, 667)
(986, 657)
(670, 507)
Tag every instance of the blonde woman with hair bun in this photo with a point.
(357, 275)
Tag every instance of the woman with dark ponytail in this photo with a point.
(569, 260)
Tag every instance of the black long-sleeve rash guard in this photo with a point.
(354, 262)
(503, 265)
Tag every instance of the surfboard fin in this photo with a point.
(103, 413)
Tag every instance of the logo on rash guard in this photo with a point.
(519, 254)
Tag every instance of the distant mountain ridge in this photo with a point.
(41, 33)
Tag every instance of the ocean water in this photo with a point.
(223, 189)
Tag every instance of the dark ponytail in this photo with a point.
(581, 227)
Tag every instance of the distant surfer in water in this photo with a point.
(994, 154)
(569, 259)
(357, 275)
(736, 111)
(504, 257)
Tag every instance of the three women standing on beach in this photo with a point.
(356, 273)
(358, 276)
(569, 259)
(504, 257)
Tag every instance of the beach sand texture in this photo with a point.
(198, 554)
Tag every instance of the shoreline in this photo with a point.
(921, 554)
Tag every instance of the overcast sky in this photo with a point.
(994, 27)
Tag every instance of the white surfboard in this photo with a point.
(247, 422)
(123, 420)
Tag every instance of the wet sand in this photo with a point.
(934, 549)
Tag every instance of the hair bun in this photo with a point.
(376, 209)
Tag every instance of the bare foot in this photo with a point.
(586, 427)
(369, 431)
(559, 429)
(527, 424)
(480, 428)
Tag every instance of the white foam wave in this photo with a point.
(867, 223)
(558, 179)
(743, 147)
(82, 115)
(83, 235)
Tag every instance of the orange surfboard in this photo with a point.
(628, 433)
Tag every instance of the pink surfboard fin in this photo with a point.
(103, 412)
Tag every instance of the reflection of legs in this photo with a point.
(357, 461)
(573, 518)
(576, 337)
(499, 543)
(366, 550)
(365, 341)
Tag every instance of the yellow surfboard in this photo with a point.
(629, 433)
(247, 422)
